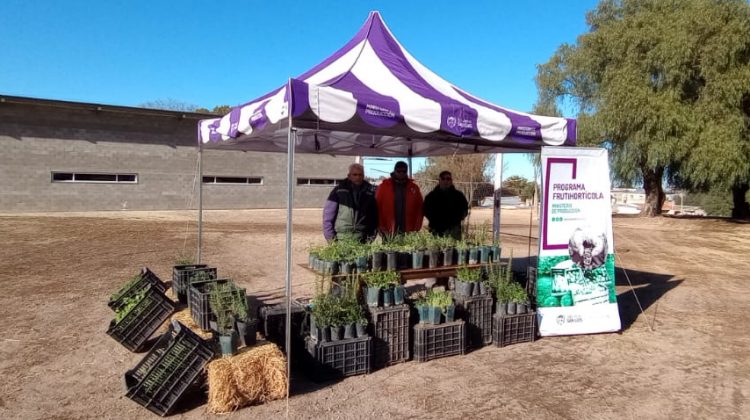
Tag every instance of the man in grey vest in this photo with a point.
(351, 210)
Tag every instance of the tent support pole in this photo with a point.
(200, 202)
(291, 135)
(497, 197)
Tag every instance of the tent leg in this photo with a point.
(497, 196)
(289, 205)
(200, 203)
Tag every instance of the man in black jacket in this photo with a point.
(351, 210)
(445, 207)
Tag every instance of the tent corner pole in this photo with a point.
(200, 202)
(291, 136)
(497, 197)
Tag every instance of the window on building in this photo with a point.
(233, 180)
(317, 181)
(94, 177)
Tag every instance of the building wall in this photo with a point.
(38, 137)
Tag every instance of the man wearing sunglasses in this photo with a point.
(399, 203)
(445, 208)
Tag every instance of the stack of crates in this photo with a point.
(390, 334)
(432, 341)
(477, 312)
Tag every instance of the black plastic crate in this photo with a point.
(390, 334)
(477, 312)
(273, 321)
(146, 277)
(435, 341)
(336, 359)
(181, 275)
(137, 326)
(512, 329)
(164, 375)
(200, 308)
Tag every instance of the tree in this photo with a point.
(520, 186)
(665, 86)
(170, 105)
(218, 110)
(464, 168)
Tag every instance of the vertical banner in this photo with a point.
(576, 264)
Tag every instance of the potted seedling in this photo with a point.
(461, 253)
(433, 251)
(320, 321)
(422, 309)
(467, 280)
(246, 327)
(377, 256)
(447, 244)
(222, 309)
(374, 282)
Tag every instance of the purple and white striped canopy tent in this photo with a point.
(372, 98)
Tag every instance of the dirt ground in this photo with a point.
(687, 357)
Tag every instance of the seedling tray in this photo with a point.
(146, 277)
(164, 375)
(137, 326)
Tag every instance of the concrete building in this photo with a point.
(71, 156)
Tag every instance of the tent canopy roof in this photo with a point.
(372, 98)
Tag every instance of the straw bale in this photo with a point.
(255, 375)
(185, 318)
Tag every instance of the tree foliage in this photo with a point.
(170, 105)
(218, 110)
(665, 86)
(464, 168)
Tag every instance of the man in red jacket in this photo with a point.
(399, 203)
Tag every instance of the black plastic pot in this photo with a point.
(361, 263)
(448, 256)
(349, 331)
(476, 289)
(502, 308)
(228, 344)
(361, 330)
(484, 254)
(424, 313)
(335, 333)
(377, 260)
(433, 315)
(398, 295)
(373, 296)
(417, 259)
(346, 267)
(473, 255)
(450, 313)
(246, 330)
(461, 257)
(388, 296)
(511, 309)
(463, 288)
(496, 251)
(433, 258)
(391, 261)
(520, 308)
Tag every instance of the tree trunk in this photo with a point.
(652, 179)
(741, 208)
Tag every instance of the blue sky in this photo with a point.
(211, 53)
